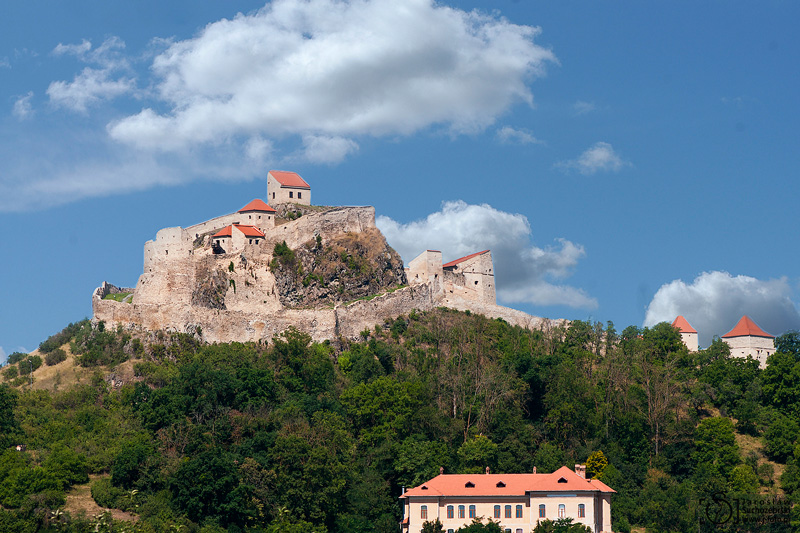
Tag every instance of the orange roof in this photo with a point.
(507, 484)
(224, 232)
(747, 328)
(461, 260)
(249, 231)
(289, 179)
(683, 325)
(257, 205)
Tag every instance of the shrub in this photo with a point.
(107, 495)
(56, 356)
(10, 373)
(64, 336)
(16, 357)
(29, 364)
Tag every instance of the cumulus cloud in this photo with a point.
(510, 135)
(3, 356)
(22, 106)
(715, 301)
(325, 149)
(523, 272)
(93, 84)
(334, 70)
(600, 157)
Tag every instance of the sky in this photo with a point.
(624, 161)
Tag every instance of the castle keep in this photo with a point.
(224, 279)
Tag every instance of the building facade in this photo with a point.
(287, 187)
(518, 501)
(688, 333)
(747, 339)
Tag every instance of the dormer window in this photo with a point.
(562, 480)
(424, 487)
(500, 484)
(469, 485)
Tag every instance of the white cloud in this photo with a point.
(523, 271)
(3, 356)
(335, 70)
(93, 84)
(600, 157)
(5, 63)
(22, 106)
(581, 108)
(715, 301)
(510, 135)
(325, 149)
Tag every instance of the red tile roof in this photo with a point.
(747, 328)
(224, 232)
(257, 205)
(683, 325)
(289, 179)
(506, 484)
(461, 260)
(249, 231)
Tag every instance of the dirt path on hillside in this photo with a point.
(80, 501)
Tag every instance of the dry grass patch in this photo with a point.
(80, 502)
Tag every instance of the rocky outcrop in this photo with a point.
(336, 269)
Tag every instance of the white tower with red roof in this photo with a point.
(746, 338)
(688, 333)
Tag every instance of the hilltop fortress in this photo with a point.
(328, 271)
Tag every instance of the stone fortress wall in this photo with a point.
(186, 287)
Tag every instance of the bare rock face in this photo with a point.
(211, 286)
(331, 270)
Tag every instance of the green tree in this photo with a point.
(789, 343)
(432, 527)
(479, 527)
(596, 464)
(9, 427)
(715, 447)
(561, 525)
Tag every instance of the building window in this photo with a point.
(299, 195)
(472, 511)
(497, 511)
(581, 511)
(450, 511)
(519, 530)
(541, 510)
(423, 512)
(461, 511)
(449, 531)
(519, 511)
(273, 196)
(562, 510)
(508, 511)
(291, 194)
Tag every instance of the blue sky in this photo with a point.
(624, 161)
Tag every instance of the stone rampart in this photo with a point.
(233, 297)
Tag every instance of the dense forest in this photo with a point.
(292, 435)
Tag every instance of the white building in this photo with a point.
(746, 338)
(518, 501)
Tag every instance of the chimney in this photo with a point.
(534, 469)
(581, 470)
(488, 471)
(441, 470)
